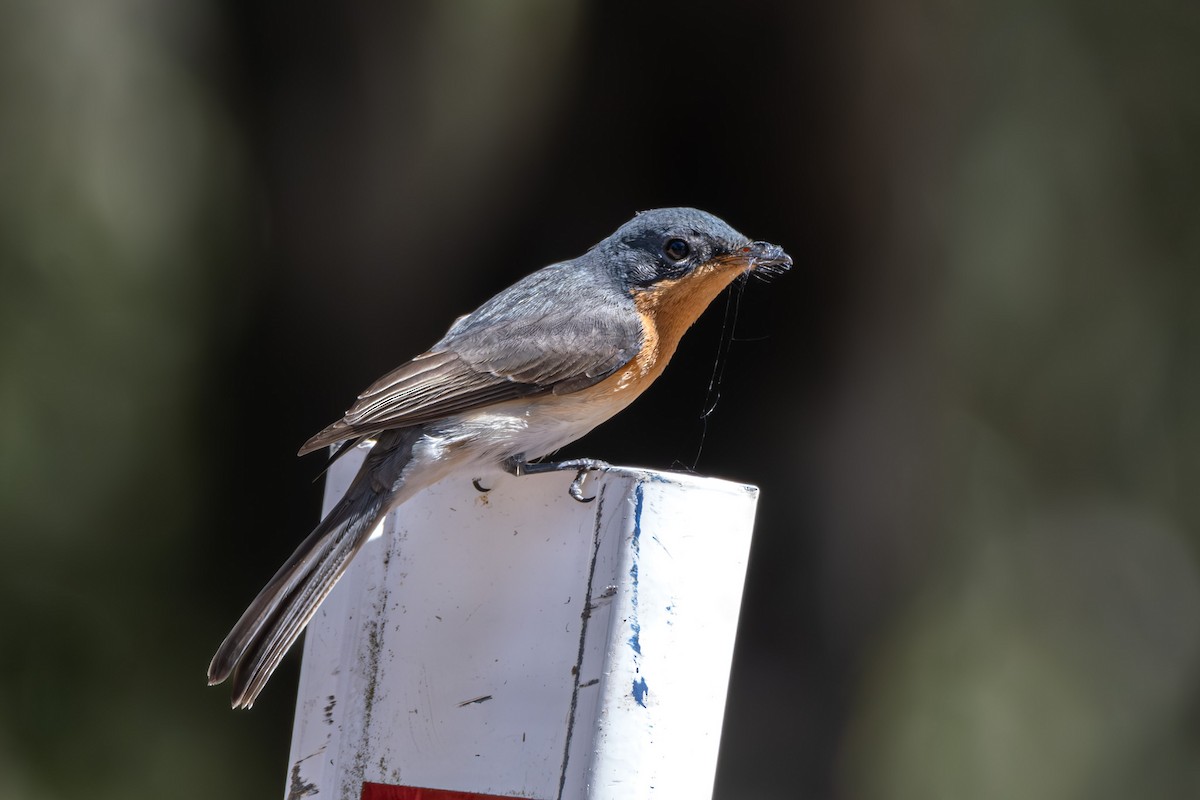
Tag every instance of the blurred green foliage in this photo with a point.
(1051, 647)
(118, 215)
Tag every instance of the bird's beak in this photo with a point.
(765, 258)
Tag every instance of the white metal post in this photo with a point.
(522, 644)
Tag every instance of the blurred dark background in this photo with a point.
(973, 407)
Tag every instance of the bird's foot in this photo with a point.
(517, 465)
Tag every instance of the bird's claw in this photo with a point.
(517, 465)
(576, 490)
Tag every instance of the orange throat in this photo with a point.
(669, 308)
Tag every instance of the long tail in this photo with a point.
(273, 622)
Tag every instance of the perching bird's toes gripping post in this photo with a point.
(521, 644)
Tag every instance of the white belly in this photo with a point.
(532, 428)
(477, 442)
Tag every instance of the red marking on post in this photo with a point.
(381, 791)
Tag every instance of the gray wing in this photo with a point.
(554, 331)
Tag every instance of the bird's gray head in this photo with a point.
(669, 243)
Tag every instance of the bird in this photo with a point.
(532, 369)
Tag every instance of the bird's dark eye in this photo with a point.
(677, 249)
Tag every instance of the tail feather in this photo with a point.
(256, 617)
(277, 616)
(293, 611)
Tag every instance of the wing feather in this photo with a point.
(556, 330)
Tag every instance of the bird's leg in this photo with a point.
(517, 465)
